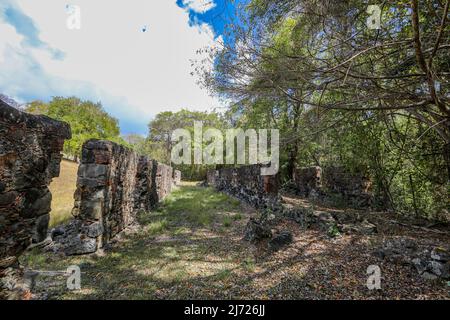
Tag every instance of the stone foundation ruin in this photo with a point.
(328, 182)
(247, 184)
(113, 184)
(176, 177)
(30, 156)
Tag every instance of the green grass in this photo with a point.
(157, 227)
(249, 264)
(237, 216)
(227, 221)
(223, 274)
(63, 189)
(180, 245)
(196, 206)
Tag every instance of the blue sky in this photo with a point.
(134, 74)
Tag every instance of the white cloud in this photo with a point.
(135, 74)
(199, 6)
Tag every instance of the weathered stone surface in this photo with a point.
(308, 180)
(56, 232)
(30, 157)
(280, 240)
(430, 262)
(446, 270)
(335, 221)
(440, 254)
(8, 198)
(13, 285)
(91, 183)
(92, 210)
(78, 246)
(255, 231)
(320, 184)
(92, 170)
(176, 177)
(247, 184)
(323, 219)
(301, 215)
(40, 228)
(211, 177)
(113, 184)
(146, 194)
(93, 230)
(75, 238)
(364, 227)
(163, 180)
(429, 276)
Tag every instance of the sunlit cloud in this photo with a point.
(135, 74)
(199, 6)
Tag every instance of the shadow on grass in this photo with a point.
(178, 246)
(191, 248)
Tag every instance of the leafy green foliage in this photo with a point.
(159, 144)
(333, 231)
(87, 120)
(344, 95)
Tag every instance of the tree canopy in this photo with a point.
(159, 141)
(87, 120)
(343, 93)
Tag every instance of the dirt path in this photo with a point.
(192, 248)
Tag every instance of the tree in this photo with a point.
(343, 93)
(159, 139)
(322, 54)
(87, 120)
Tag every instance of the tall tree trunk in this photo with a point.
(293, 149)
(292, 160)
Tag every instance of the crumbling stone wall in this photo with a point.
(430, 262)
(145, 193)
(248, 184)
(308, 179)
(353, 187)
(176, 177)
(113, 184)
(163, 180)
(30, 156)
(211, 177)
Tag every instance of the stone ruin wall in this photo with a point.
(326, 183)
(308, 179)
(211, 177)
(30, 156)
(354, 187)
(163, 180)
(247, 184)
(176, 177)
(114, 183)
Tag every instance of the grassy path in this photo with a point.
(189, 248)
(192, 248)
